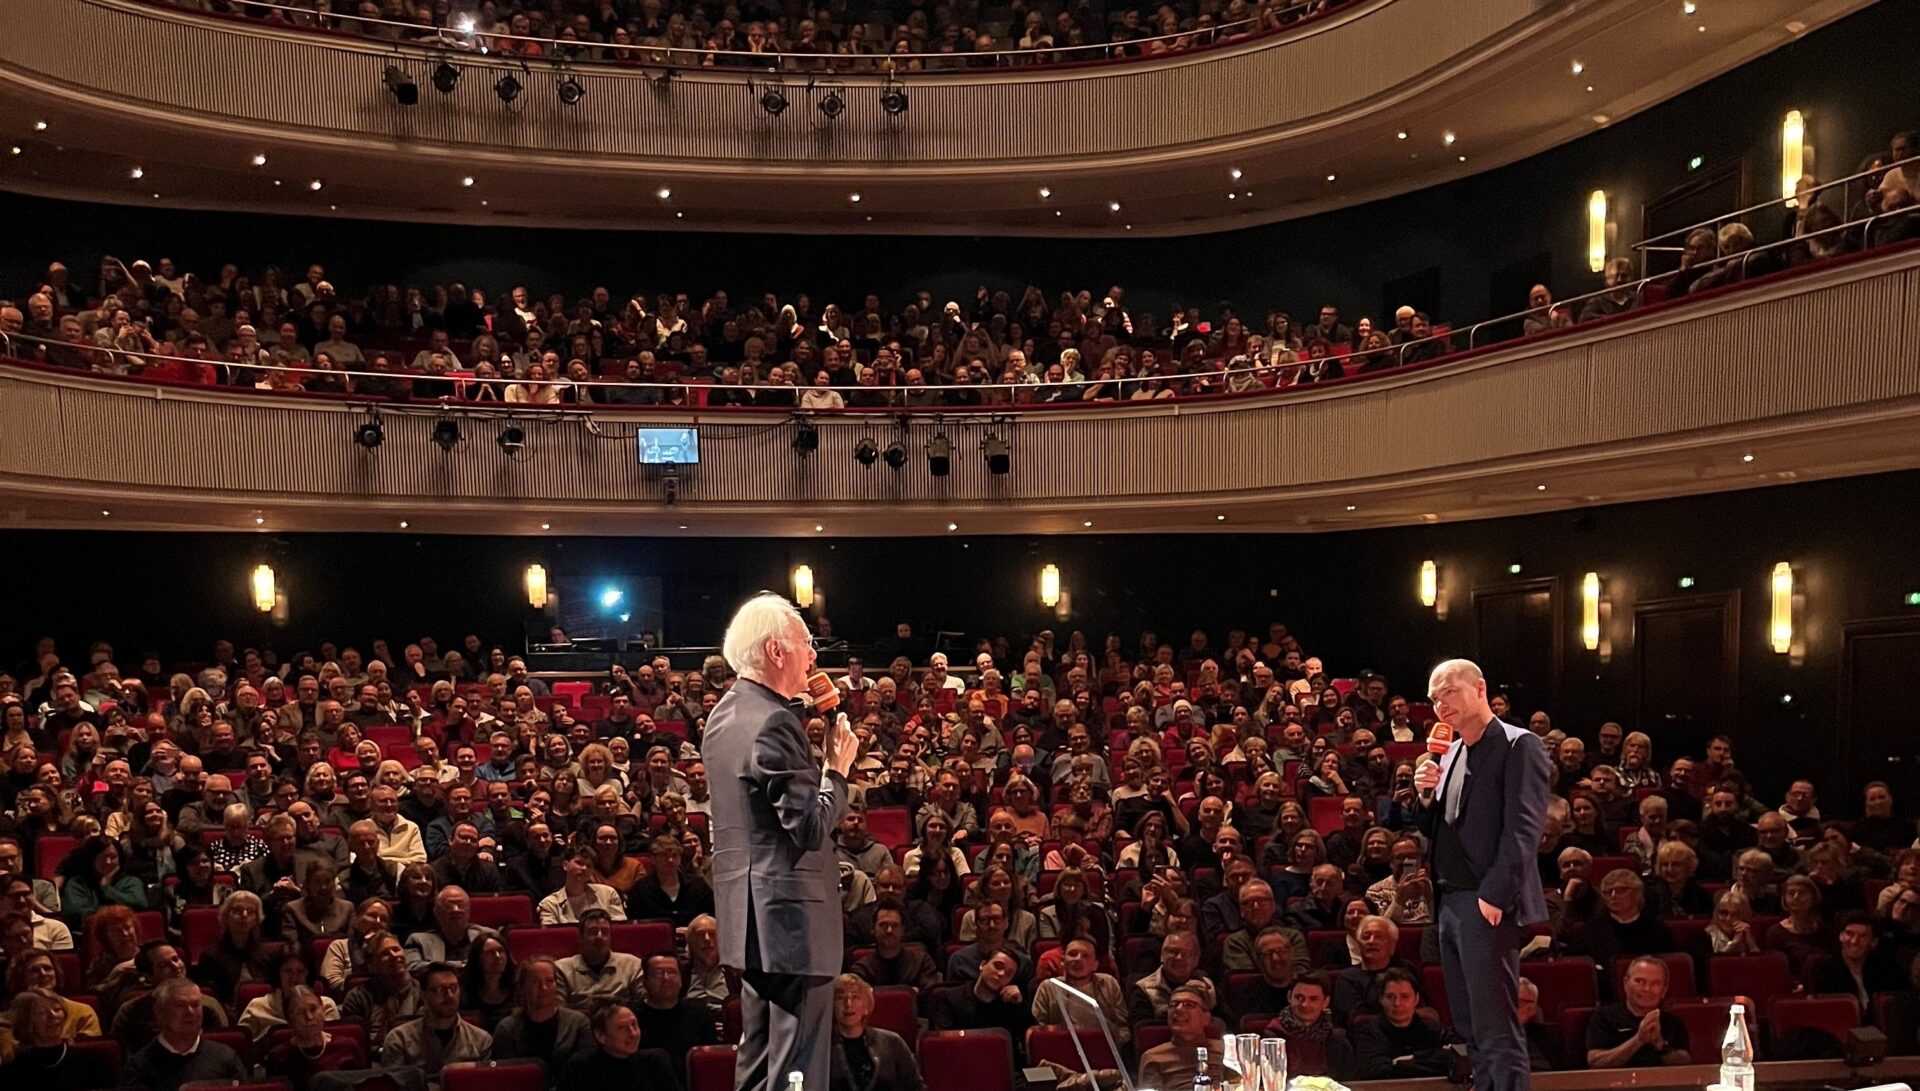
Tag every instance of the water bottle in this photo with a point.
(1736, 1051)
(1201, 1081)
(796, 1081)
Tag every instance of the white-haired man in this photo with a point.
(775, 810)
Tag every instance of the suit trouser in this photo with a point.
(1481, 963)
(786, 1025)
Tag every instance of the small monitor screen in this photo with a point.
(669, 446)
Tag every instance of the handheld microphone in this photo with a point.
(826, 696)
(1440, 738)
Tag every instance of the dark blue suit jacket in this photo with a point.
(1502, 810)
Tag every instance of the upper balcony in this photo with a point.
(1372, 98)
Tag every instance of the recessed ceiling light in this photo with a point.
(664, 192)
(137, 173)
(1703, 28)
(854, 197)
(315, 185)
(1589, 88)
(546, 526)
(1689, 7)
(1129, 227)
(104, 511)
(1057, 212)
(1046, 192)
(260, 160)
(1447, 139)
(276, 181)
(330, 208)
(1462, 158)
(403, 524)
(1113, 206)
(682, 216)
(1234, 174)
(483, 202)
(1746, 458)
(259, 519)
(156, 196)
(1086, 522)
(683, 526)
(1578, 68)
(39, 126)
(1353, 507)
(1219, 518)
(817, 528)
(1231, 196)
(1331, 177)
(15, 149)
(1401, 135)
(467, 181)
(1601, 119)
(1540, 488)
(953, 527)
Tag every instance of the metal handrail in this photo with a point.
(1683, 232)
(1122, 385)
(554, 50)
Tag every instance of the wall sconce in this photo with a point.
(803, 587)
(1050, 586)
(263, 588)
(1780, 627)
(536, 587)
(1590, 611)
(1793, 154)
(1429, 583)
(1597, 230)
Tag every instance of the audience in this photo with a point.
(1636, 1031)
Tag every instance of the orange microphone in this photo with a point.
(826, 696)
(1440, 738)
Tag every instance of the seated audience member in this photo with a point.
(1080, 968)
(1574, 900)
(1175, 1062)
(439, 1037)
(1543, 1046)
(667, 1019)
(1881, 829)
(893, 961)
(1326, 902)
(453, 933)
(1179, 966)
(1803, 935)
(180, 1054)
(369, 874)
(580, 893)
(599, 972)
(40, 1057)
(1401, 1043)
(990, 927)
(992, 999)
(708, 982)
(867, 1058)
(1406, 895)
(347, 957)
(1635, 1032)
(1315, 1047)
(135, 1023)
(310, 1048)
(263, 1013)
(1271, 989)
(1624, 929)
(1860, 969)
(667, 893)
(1753, 873)
(1356, 988)
(542, 1029)
(487, 982)
(389, 996)
(465, 863)
(617, 1059)
(1674, 892)
(35, 970)
(240, 955)
(1258, 913)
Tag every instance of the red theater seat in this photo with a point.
(1324, 813)
(1573, 1031)
(894, 1010)
(494, 1076)
(643, 938)
(106, 1049)
(967, 1060)
(1706, 1023)
(503, 910)
(1055, 1043)
(49, 851)
(1564, 983)
(1759, 978)
(710, 1068)
(558, 942)
(1833, 1013)
(200, 929)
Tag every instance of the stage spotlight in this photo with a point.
(833, 105)
(895, 455)
(511, 439)
(446, 433)
(894, 100)
(570, 91)
(773, 99)
(445, 78)
(368, 433)
(405, 91)
(939, 455)
(866, 452)
(806, 439)
(999, 461)
(507, 88)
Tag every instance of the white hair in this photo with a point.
(761, 618)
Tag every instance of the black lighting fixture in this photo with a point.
(405, 91)
(894, 99)
(511, 439)
(833, 104)
(806, 438)
(994, 449)
(773, 98)
(446, 433)
(368, 433)
(569, 90)
(895, 455)
(866, 452)
(507, 88)
(939, 455)
(445, 77)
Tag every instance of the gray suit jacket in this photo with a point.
(774, 813)
(1503, 806)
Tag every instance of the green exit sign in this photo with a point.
(1694, 163)
(1686, 581)
(1913, 598)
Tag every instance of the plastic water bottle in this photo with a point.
(1736, 1051)
(797, 1080)
(1201, 1081)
